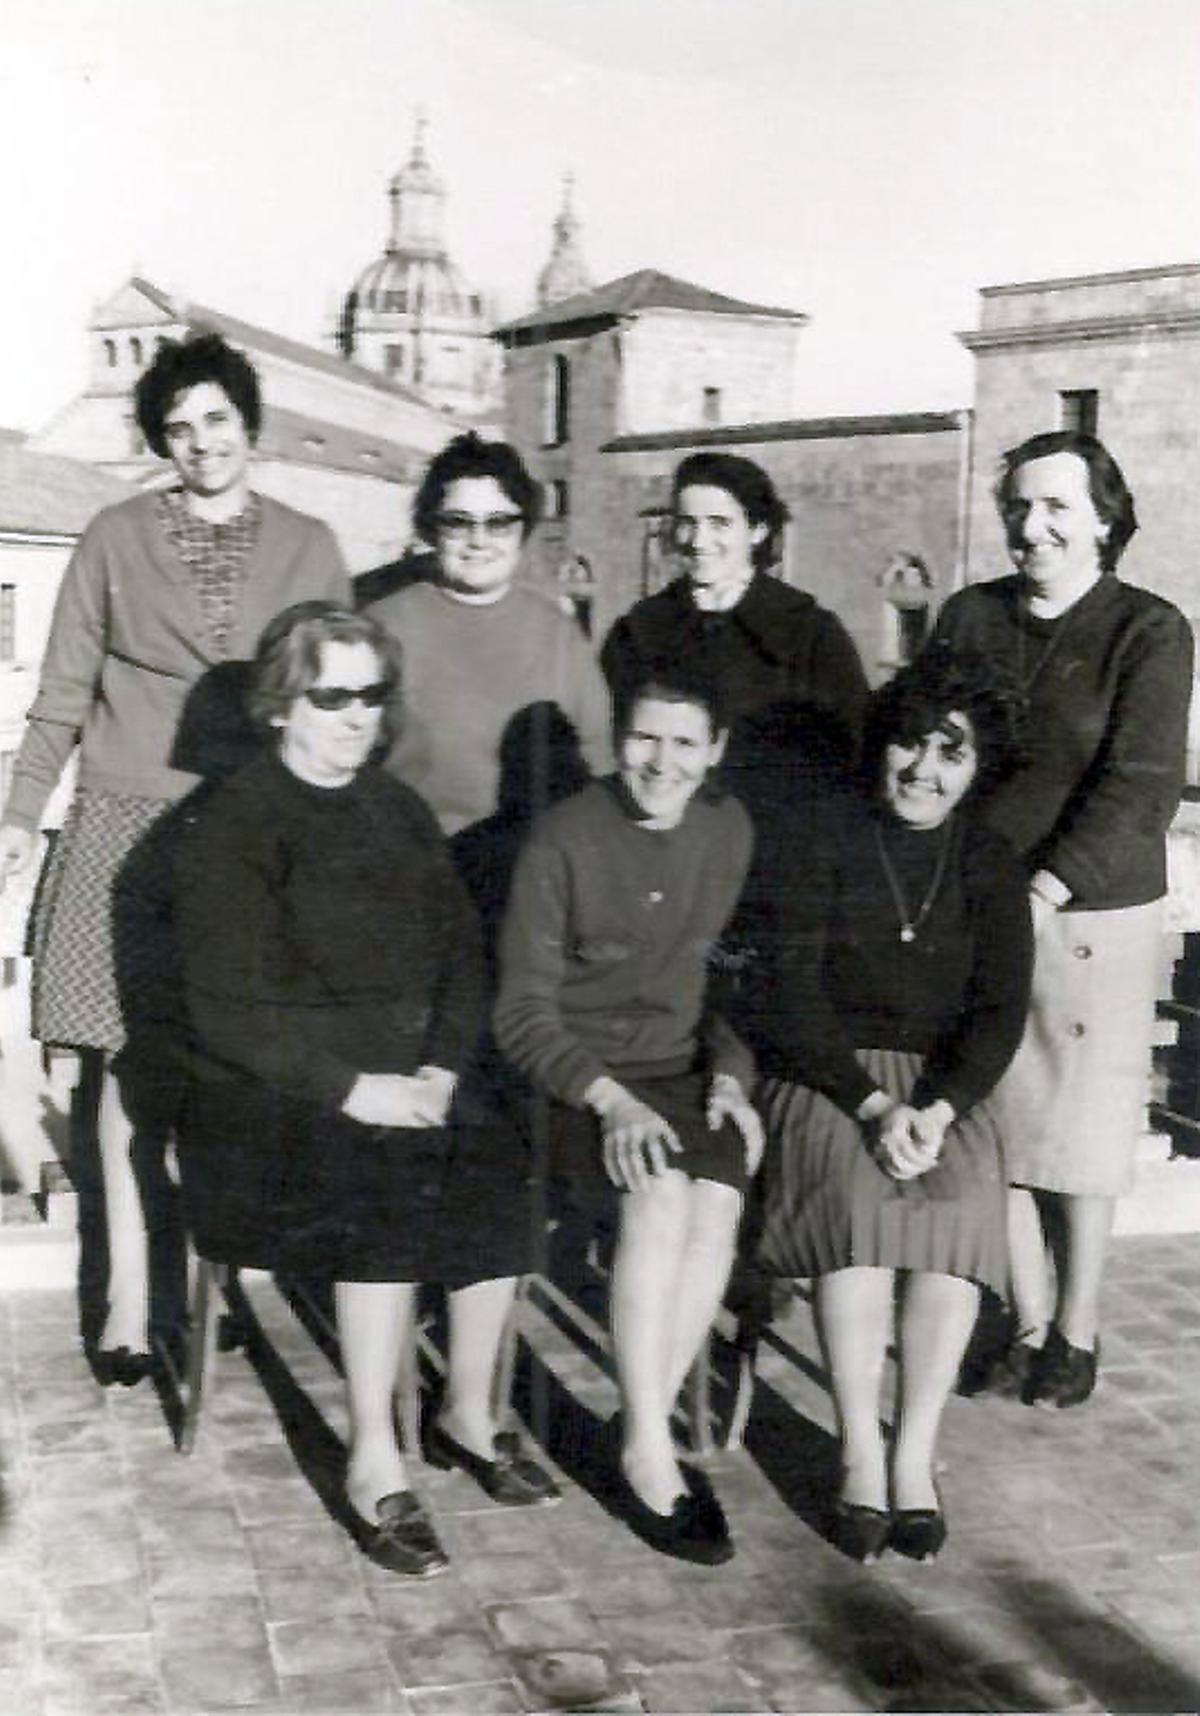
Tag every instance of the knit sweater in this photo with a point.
(323, 933)
(129, 640)
(604, 948)
(469, 669)
(1109, 684)
(840, 978)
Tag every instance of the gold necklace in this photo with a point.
(910, 925)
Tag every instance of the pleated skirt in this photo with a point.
(828, 1206)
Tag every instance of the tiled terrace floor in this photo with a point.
(135, 1580)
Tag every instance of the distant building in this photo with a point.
(565, 274)
(337, 440)
(410, 314)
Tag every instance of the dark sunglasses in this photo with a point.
(330, 697)
(461, 526)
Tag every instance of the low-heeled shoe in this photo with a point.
(120, 1366)
(694, 1530)
(859, 1532)
(1063, 1375)
(511, 1476)
(918, 1532)
(402, 1540)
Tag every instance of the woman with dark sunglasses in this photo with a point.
(332, 972)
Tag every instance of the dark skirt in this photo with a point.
(576, 1154)
(828, 1206)
(269, 1183)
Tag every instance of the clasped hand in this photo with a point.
(908, 1141)
(401, 1099)
(638, 1143)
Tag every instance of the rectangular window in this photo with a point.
(8, 622)
(711, 409)
(1079, 410)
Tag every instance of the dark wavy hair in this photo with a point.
(942, 682)
(287, 662)
(180, 364)
(470, 455)
(1106, 484)
(750, 487)
(672, 682)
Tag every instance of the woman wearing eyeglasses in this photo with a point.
(501, 691)
(332, 973)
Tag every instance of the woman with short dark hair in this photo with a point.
(1107, 668)
(898, 980)
(160, 590)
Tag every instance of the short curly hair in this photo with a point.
(181, 364)
(1106, 485)
(941, 682)
(287, 662)
(469, 456)
(749, 485)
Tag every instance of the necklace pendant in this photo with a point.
(907, 933)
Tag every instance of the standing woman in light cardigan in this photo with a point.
(160, 590)
(1107, 669)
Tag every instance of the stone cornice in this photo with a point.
(1155, 323)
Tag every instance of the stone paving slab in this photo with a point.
(135, 1580)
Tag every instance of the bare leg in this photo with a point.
(1089, 1221)
(712, 1219)
(936, 1320)
(654, 1223)
(126, 1324)
(1029, 1277)
(478, 1315)
(854, 1318)
(373, 1321)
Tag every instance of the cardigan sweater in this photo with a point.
(776, 646)
(1109, 683)
(604, 949)
(129, 640)
(323, 933)
(469, 670)
(840, 978)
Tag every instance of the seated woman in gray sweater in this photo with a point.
(617, 899)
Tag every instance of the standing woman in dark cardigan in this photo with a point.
(332, 971)
(161, 589)
(1107, 668)
(899, 969)
(766, 646)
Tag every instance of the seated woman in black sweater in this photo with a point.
(616, 902)
(900, 966)
(332, 971)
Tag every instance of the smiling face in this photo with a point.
(479, 535)
(924, 781)
(1053, 530)
(715, 539)
(663, 756)
(327, 747)
(207, 441)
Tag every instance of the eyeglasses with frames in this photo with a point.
(462, 526)
(330, 697)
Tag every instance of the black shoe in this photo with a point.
(1064, 1375)
(120, 1366)
(918, 1532)
(402, 1540)
(705, 1497)
(694, 1530)
(510, 1476)
(1009, 1376)
(859, 1532)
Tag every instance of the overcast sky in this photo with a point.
(871, 162)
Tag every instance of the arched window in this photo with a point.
(135, 350)
(110, 353)
(907, 587)
(558, 401)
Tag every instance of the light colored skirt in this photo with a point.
(1072, 1104)
(828, 1206)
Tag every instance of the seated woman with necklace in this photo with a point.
(899, 977)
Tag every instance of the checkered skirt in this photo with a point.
(94, 957)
